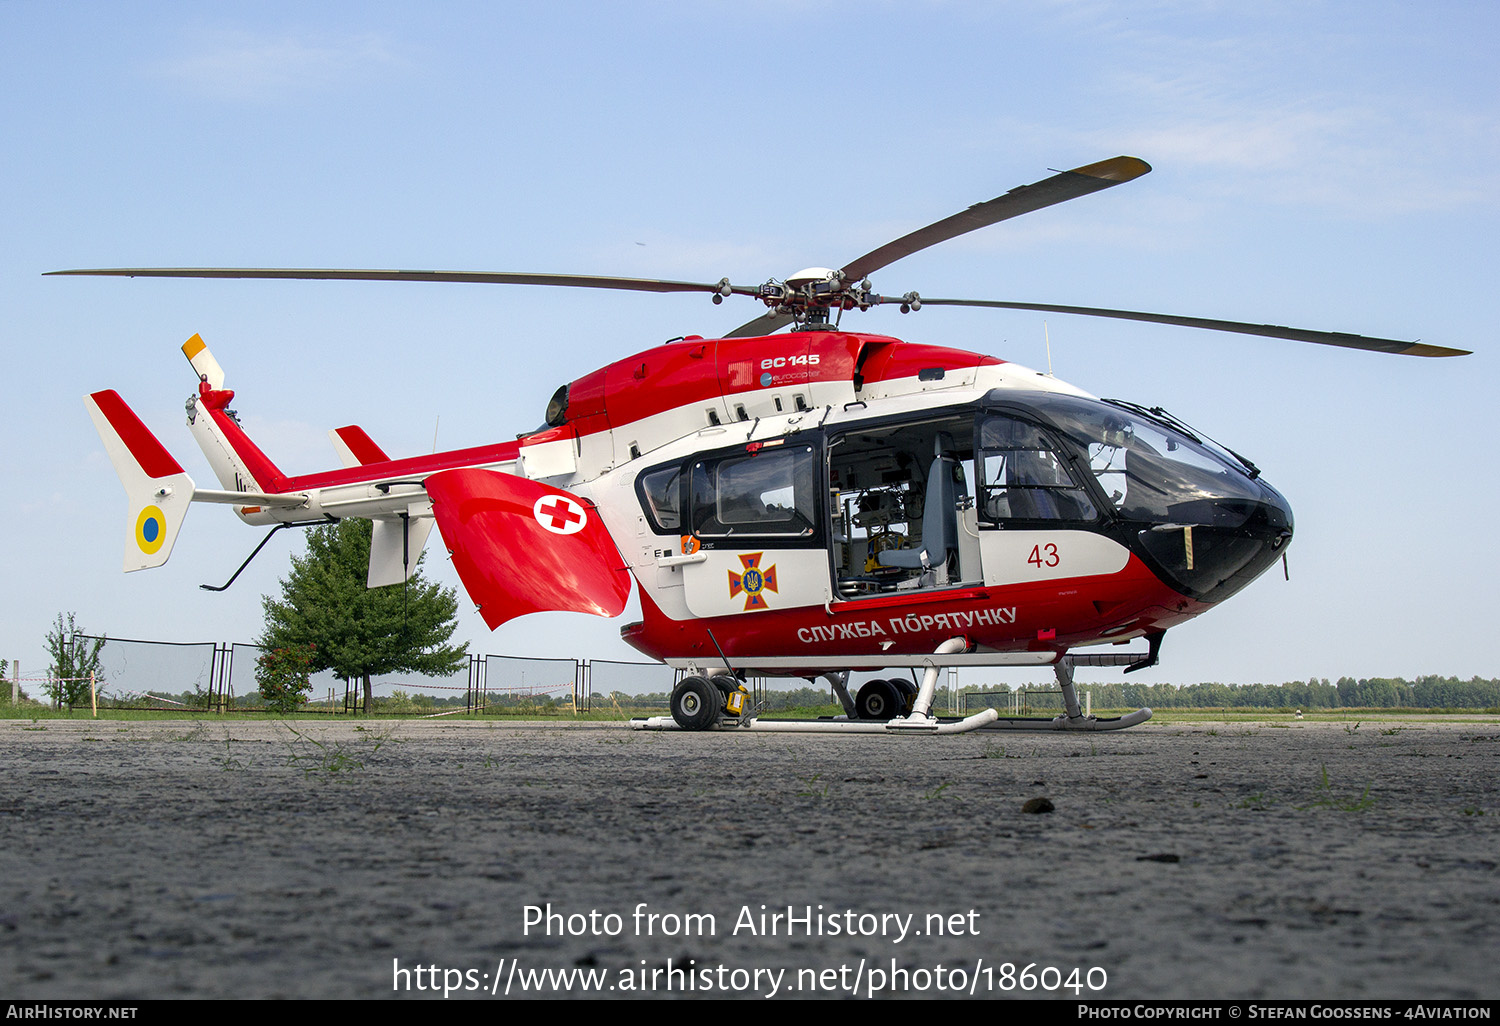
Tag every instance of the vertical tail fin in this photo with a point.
(156, 486)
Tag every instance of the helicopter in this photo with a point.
(808, 503)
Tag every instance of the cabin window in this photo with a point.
(770, 491)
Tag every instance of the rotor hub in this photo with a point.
(812, 292)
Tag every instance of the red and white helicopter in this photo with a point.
(808, 503)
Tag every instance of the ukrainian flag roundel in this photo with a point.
(150, 529)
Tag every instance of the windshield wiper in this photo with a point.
(1161, 416)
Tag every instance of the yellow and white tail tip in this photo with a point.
(204, 364)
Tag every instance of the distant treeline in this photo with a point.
(1379, 692)
(1375, 692)
(1346, 693)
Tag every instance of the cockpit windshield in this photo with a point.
(1203, 518)
(1147, 470)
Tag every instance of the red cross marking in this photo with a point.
(561, 512)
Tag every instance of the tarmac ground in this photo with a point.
(238, 859)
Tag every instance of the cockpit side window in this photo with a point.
(1024, 476)
(660, 493)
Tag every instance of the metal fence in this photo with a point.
(629, 686)
(157, 673)
(1022, 701)
(525, 683)
(213, 675)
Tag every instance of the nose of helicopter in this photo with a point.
(1198, 515)
(1220, 543)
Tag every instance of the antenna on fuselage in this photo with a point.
(1047, 338)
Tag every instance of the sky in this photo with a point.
(1325, 165)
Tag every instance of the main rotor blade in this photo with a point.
(766, 323)
(1323, 338)
(586, 281)
(1021, 200)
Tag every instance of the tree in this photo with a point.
(282, 674)
(360, 632)
(74, 660)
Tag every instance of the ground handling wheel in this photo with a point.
(696, 703)
(734, 693)
(878, 700)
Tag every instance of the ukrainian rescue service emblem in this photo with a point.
(752, 582)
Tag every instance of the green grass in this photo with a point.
(1348, 717)
(1274, 717)
(41, 712)
(44, 713)
(803, 712)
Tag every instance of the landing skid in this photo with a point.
(905, 725)
(695, 696)
(983, 721)
(1070, 723)
(1073, 718)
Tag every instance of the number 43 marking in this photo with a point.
(1043, 555)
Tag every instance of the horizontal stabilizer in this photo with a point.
(157, 488)
(522, 547)
(355, 448)
(281, 499)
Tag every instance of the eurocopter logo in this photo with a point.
(559, 514)
(753, 583)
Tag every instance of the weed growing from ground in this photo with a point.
(810, 788)
(1325, 798)
(937, 792)
(332, 758)
(231, 762)
(1257, 801)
